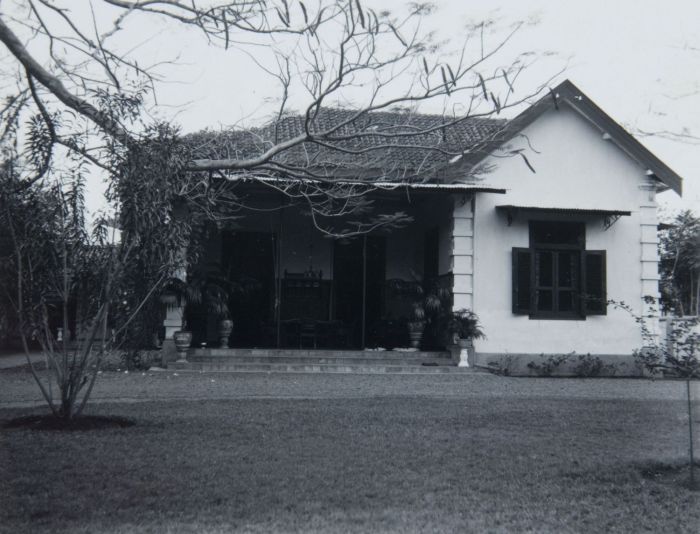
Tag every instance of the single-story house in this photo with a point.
(540, 222)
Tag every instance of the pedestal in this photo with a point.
(172, 323)
(168, 352)
(465, 347)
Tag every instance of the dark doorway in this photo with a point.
(359, 263)
(431, 254)
(431, 282)
(248, 260)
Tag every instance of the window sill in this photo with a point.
(556, 317)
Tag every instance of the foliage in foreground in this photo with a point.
(679, 265)
(80, 293)
(60, 281)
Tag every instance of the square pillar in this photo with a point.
(172, 323)
(462, 263)
(649, 258)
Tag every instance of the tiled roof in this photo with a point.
(375, 145)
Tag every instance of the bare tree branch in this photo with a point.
(53, 84)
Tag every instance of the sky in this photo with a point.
(637, 59)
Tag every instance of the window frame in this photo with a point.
(525, 266)
(538, 247)
(535, 284)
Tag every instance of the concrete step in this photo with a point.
(286, 360)
(375, 368)
(318, 353)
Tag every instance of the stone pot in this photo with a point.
(168, 298)
(225, 329)
(182, 339)
(415, 338)
(415, 333)
(465, 343)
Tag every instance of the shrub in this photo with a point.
(591, 366)
(139, 360)
(549, 365)
(503, 366)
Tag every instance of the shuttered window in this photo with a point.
(556, 277)
(522, 269)
(595, 297)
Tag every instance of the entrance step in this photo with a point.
(318, 361)
(318, 368)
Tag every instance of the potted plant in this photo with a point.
(427, 301)
(173, 294)
(463, 326)
(425, 309)
(210, 289)
(416, 326)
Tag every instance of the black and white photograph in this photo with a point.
(349, 266)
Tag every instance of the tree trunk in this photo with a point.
(690, 434)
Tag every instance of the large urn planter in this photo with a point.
(183, 340)
(415, 333)
(225, 329)
(169, 298)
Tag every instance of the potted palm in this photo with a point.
(426, 309)
(463, 326)
(212, 290)
(416, 326)
(173, 295)
(209, 289)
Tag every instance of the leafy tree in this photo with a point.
(60, 276)
(679, 264)
(57, 271)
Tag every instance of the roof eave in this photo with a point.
(570, 94)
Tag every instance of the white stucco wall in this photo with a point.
(575, 168)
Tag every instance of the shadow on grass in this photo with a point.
(675, 474)
(85, 422)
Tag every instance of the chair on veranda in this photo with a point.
(307, 332)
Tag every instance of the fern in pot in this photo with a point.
(463, 326)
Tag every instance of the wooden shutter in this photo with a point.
(593, 283)
(522, 280)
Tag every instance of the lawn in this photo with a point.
(408, 454)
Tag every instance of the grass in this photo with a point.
(493, 462)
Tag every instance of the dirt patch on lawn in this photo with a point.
(82, 423)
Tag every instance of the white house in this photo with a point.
(544, 218)
(585, 222)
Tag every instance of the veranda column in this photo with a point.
(462, 259)
(172, 323)
(648, 221)
(174, 314)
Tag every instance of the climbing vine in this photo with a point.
(155, 219)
